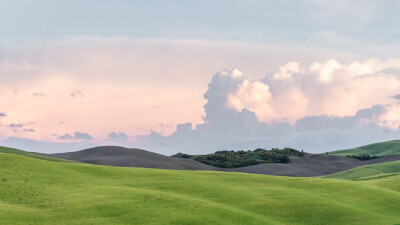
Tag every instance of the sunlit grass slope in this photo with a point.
(383, 175)
(378, 149)
(373, 171)
(35, 191)
(28, 154)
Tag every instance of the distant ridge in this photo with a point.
(125, 157)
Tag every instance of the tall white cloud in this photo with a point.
(390, 117)
(328, 87)
(295, 108)
(252, 95)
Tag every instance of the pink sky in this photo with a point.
(98, 86)
(102, 85)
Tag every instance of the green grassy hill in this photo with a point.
(378, 149)
(28, 154)
(35, 191)
(369, 172)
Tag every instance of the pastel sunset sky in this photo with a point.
(198, 76)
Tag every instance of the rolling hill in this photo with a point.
(378, 149)
(309, 165)
(37, 191)
(369, 172)
(312, 165)
(125, 157)
(30, 154)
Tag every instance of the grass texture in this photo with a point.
(43, 191)
(379, 149)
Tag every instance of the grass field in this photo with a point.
(369, 172)
(378, 149)
(37, 191)
(28, 154)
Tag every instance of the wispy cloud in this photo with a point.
(117, 136)
(76, 93)
(38, 94)
(397, 97)
(76, 136)
(15, 125)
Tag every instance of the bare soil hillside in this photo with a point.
(124, 157)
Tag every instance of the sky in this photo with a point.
(198, 76)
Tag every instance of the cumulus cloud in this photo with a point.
(253, 96)
(328, 87)
(324, 106)
(285, 72)
(76, 136)
(390, 117)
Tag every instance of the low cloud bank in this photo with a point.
(45, 147)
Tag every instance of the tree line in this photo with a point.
(235, 159)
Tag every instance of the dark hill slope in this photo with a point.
(124, 157)
(312, 165)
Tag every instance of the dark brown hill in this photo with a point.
(125, 157)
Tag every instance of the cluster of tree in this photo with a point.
(363, 157)
(234, 159)
(182, 155)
